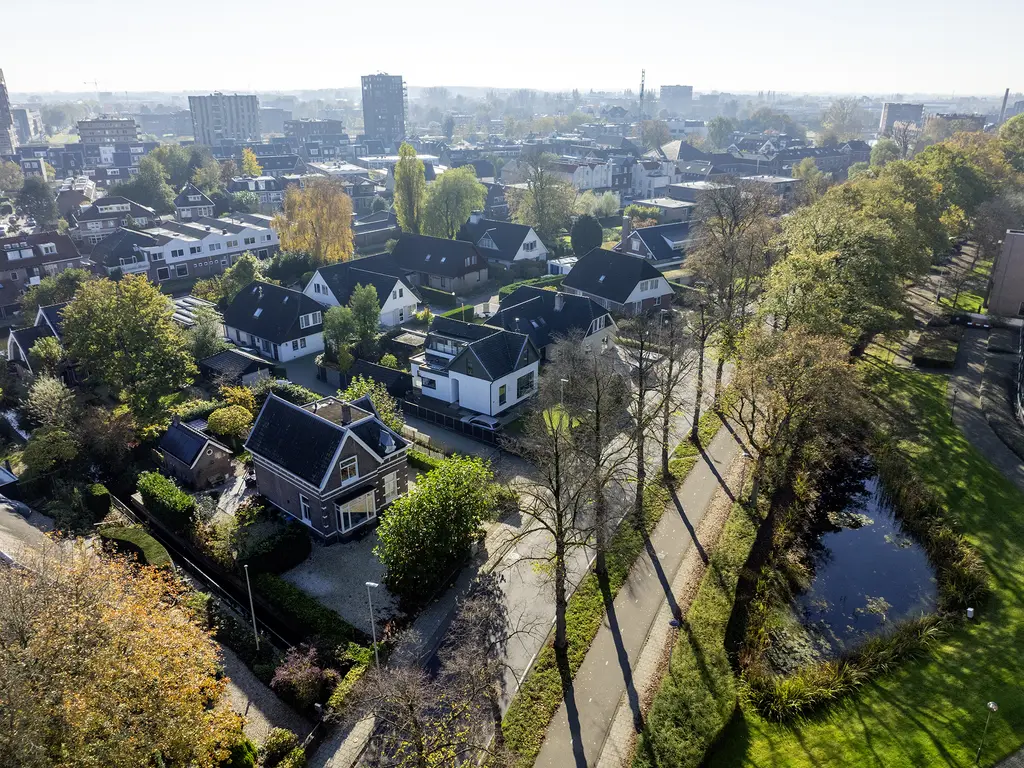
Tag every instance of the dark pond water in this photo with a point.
(867, 572)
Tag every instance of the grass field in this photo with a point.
(931, 712)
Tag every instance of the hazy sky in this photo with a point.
(876, 46)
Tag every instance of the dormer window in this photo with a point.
(194, 198)
(349, 469)
(48, 249)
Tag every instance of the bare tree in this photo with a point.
(676, 365)
(595, 394)
(701, 328)
(904, 135)
(641, 351)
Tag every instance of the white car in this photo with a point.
(487, 422)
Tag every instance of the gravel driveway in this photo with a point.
(337, 576)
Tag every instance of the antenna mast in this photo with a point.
(643, 77)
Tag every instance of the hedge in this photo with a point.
(196, 409)
(286, 390)
(937, 347)
(283, 549)
(466, 312)
(135, 539)
(97, 500)
(308, 615)
(536, 282)
(421, 460)
(238, 636)
(434, 296)
(166, 501)
(344, 688)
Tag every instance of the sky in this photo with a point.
(877, 47)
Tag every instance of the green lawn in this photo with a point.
(967, 301)
(931, 712)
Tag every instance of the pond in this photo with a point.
(867, 573)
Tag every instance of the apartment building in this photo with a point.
(107, 130)
(218, 117)
(384, 107)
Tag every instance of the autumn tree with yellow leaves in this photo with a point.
(317, 220)
(103, 664)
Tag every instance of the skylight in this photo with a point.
(443, 258)
(258, 312)
(600, 279)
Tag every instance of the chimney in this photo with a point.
(627, 228)
(475, 217)
(346, 413)
(559, 302)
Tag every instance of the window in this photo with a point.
(232, 243)
(356, 512)
(657, 301)
(302, 343)
(262, 253)
(530, 246)
(599, 323)
(177, 252)
(214, 246)
(268, 238)
(401, 292)
(502, 396)
(181, 270)
(156, 256)
(249, 241)
(316, 287)
(349, 469)
(428, 383)
(304, 506)
(469, 367)
(390, 487)
(14, 275)
(163, 273)
(295, 345)
(524, 385)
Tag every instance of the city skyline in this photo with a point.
(880, 49)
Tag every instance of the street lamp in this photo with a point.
(252, 610)
(992, 707)
(561, 391)
(373, 626)
(952, 409)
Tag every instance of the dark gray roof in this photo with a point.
(120, 242)
(26, 337)
(457, 329)
(185, 443)
(610, 275)
(499, 351)
(135, 211)
(436, 255)
(506, 236)
(55, 317)
(182, 201)
(342, 279)
(398, 383)
(657, 239)
(271, 312)
(233, 363)
(532, 311)
(295, 439)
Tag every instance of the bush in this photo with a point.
(136, 540)
(239, 638)
(421, 460)
(166, 501)
(242, 754)
(265, 541)
(233, 422)
(385, 405)
(196, 409)
(937, 347)
(294, 759)
(97, 500)
(537, 282)
(427, 533)
(466, 312)
(344, 688)
(424, 316)
(241, 396)
(286, 390)
(317, 623)
(390, 361)
(301, 680)
(278, 744)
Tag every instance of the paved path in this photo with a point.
(577, 733)
(260, 705)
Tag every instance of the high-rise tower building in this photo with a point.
(8, 135)
(384, 108)
(218, 117)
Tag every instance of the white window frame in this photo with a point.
(390, 487)
(349, 464)
(361, 504)
(305, 510)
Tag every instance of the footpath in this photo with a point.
(578, 733)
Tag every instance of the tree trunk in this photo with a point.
(719, 369)
(561, 642)
(641, 478)
(499, 735)
(666, 418)
(695, 427)
(755, 488)
(601, 523)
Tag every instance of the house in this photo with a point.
(332, 465)
(192, 203)
(186, 309)
(26, 259)
(193, 457)
(333, 285)
(477, 367)
(375, 229)
(670, 209)
(495, 204)
(662, 244)
(545, 316)
(1006, 296)
(233, 366)
(447, 265)
(104, 216)
(620, 283)
(280, 323)
(268, 189)
(503, 241)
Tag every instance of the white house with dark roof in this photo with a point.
(623, 284)
(503, 241)
(477, 367)
(545, 316)
(280, 323)
(107, 214)
(48, 323)
(436, 262)
(192, 203)
(333, 285)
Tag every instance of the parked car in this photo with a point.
(487, 422)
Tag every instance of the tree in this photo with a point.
(385, 405)
(641, 215)
(180, 164)
(410, 189)
(1011, 133)
(994, 217)
(428, 531)
(586, 234)
(35, 199)
(108, 437)
(102, 665)
(11, 178)
(844, 118)
(814, 181)
(233, 422)
(365, 308)
(148, 187)
(49, 450)
(240, 274)
(720, 131)
(205, 337)
(594, 394)
(654, 134)
(884, 151)
(606, 205)
(857, 169)
(448, 126)
(962, 182)
(390, 361)
(228, 171)
(317, 220)
(53, 289)
(450, 200)
(207, 178)
(904, 136)
(672, 372)
(47, 355)
(339, 327)
(547, 202)
(240, 396)
(51, 404)
(123, 336)
(245, 202)
(379, 204)
(250, 164)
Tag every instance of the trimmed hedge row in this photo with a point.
(164, 499)
(136, 540)
(536, 282)
(421, 460)
(466, 312)
(311, 617)
(344, 688)
(434, 296)
(196, 409)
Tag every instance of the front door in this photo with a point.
(455, 390)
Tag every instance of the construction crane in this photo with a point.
(643, 77)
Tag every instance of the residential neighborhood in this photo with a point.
(569, 416)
